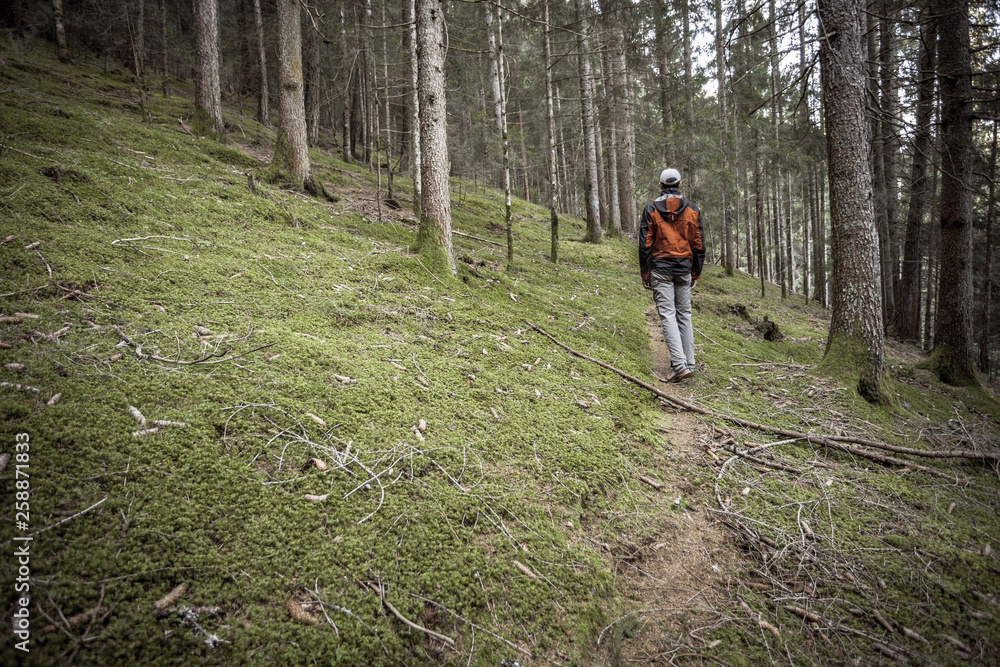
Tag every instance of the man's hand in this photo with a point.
(645, 281)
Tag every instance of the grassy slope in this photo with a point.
(530, 455)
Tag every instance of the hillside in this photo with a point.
(266, 399)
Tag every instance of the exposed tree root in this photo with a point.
(839, 443)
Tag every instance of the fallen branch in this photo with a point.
(838, 443)
(395, 612)
(204, 360)
(60, 522)
(470, 236)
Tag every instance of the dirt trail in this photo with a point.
(677, 578)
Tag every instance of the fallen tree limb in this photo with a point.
(204, 360)
(820, 440)
(395, 612)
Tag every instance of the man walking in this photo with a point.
(671, 254)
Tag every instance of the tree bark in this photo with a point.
(953, 348)
(890, 151)
(263, 103)
(62, 48)
(984, 338)
(414, 110)
(856, 328)
(775, 122)
(500, 110)
(207, 89)
(724, 203)
(591, 200)
(434, 234)
(663, 78)
(313, 80)
(551, 124)
(163, 41)
(291, 149)
(907, 326)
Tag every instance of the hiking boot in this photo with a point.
(678, 374)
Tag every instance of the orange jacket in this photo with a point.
(670, 236)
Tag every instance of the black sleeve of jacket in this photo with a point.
(644, 252)
(698, 249)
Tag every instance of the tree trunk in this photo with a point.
(614, 210)
(593, 234)
(62, 48)
(908, 298)
(724, 200)
(263, 110)
(759, 214)
(551, 123)
(207, 90)
(663, 78)
(163, 41)
(414, 110)
(500, 109)
(602, 187)
(953, 348)
(434, 235)
(313, 80)
(291, 148)
(890, 151)
(775, 122)
(856, 329)
(984, 336)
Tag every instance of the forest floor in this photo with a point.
(259, 431)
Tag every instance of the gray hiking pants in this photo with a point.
(672, 295)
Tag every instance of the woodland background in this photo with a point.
(635, 87)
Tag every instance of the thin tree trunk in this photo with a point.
(500, 108)
(953, 335)
(984, 336)
(434, 235)
(414, 110)
(551, 123)
(313, 80)
(759, 211)
(663, 78)
(263, 106)
(789, 246)
(775, 122)
(726, 230)
(208, 93)
(592, 202)
(62, 48)
(890, 150)
(602, 187)
(164, 64)
(908, 298)
(857, 309)
(806, 256)
(615, 222)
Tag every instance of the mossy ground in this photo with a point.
(529, 453)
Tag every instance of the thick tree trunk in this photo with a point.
(207, 89)
(291, 148)
(434, 235)
(551, 124)
(591, 200)
(856, 329)
(907, 312)
(953, 335)
(62, 48)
